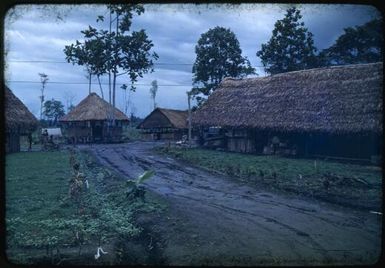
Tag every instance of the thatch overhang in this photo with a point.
(339, 99)
(17, 116)
(165, 118)
(93, 108)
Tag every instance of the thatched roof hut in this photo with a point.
(17, 116)
(164, 124)
(165, 118)
(93, 120)
(93, 108)
(340, 99)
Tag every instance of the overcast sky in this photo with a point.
(35, 39)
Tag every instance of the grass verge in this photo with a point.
(45, 225)
(346, 184)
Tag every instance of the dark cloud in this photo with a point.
(174, 29)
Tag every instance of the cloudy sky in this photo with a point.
(35, 39)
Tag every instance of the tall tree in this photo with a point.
(53, 110)
(116, 51)
(218, 55)
(153, 91)
(360, 44)
(291, 46)
(43, 79)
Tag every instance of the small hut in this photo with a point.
(165, 124)
(93, 120)
(333, 111)
(19, 121)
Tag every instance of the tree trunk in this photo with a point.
(189, 117)
(116, 62)
(100, 86)
(109, 69)
(89, 83)
(113, 87)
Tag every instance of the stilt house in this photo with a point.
(334, 111)
(164, 124)
(19, 121)
(93, 120)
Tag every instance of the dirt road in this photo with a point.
(213, 219)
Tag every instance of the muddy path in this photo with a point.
(213, 219)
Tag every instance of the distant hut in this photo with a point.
(19, 121)
(93, 120)
(334, 111)
(165, 124)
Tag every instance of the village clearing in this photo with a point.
(200, 208)
(219, 219)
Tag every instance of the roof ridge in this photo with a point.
(345, 66)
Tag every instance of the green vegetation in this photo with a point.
(218, 55)
(291, 46)
(344, 183)
(131, 133)
(45, 223)
(114, 52)
(359, 44)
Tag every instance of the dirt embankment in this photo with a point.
(214, 220)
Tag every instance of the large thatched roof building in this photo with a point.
(164, 124)
(93, 120)
(18, 121)
(341, 101)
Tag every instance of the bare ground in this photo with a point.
(215, 220)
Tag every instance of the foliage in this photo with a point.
(53, 110)
(70, 107)
(218, 55)
(303, 176)
(135, 121)
(115, 52)
(135, 188)
(131, 133)
(360, 44)
(41, 215)
(291, 46)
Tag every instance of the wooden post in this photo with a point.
(189, 117)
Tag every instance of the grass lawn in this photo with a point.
(349, 184)
(44, 224)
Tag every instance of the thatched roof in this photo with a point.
(335, 99)
(93, 108)
(165, 118)
(17, 115)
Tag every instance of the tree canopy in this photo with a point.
(291, 46)
(53, 110)
(360, 44)
(218, 55)
(116, 51)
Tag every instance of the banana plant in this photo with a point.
(135, 187)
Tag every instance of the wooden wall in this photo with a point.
(303, 144)
(241, 140)
(164, 134)
(84, 134)
(12, 142)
